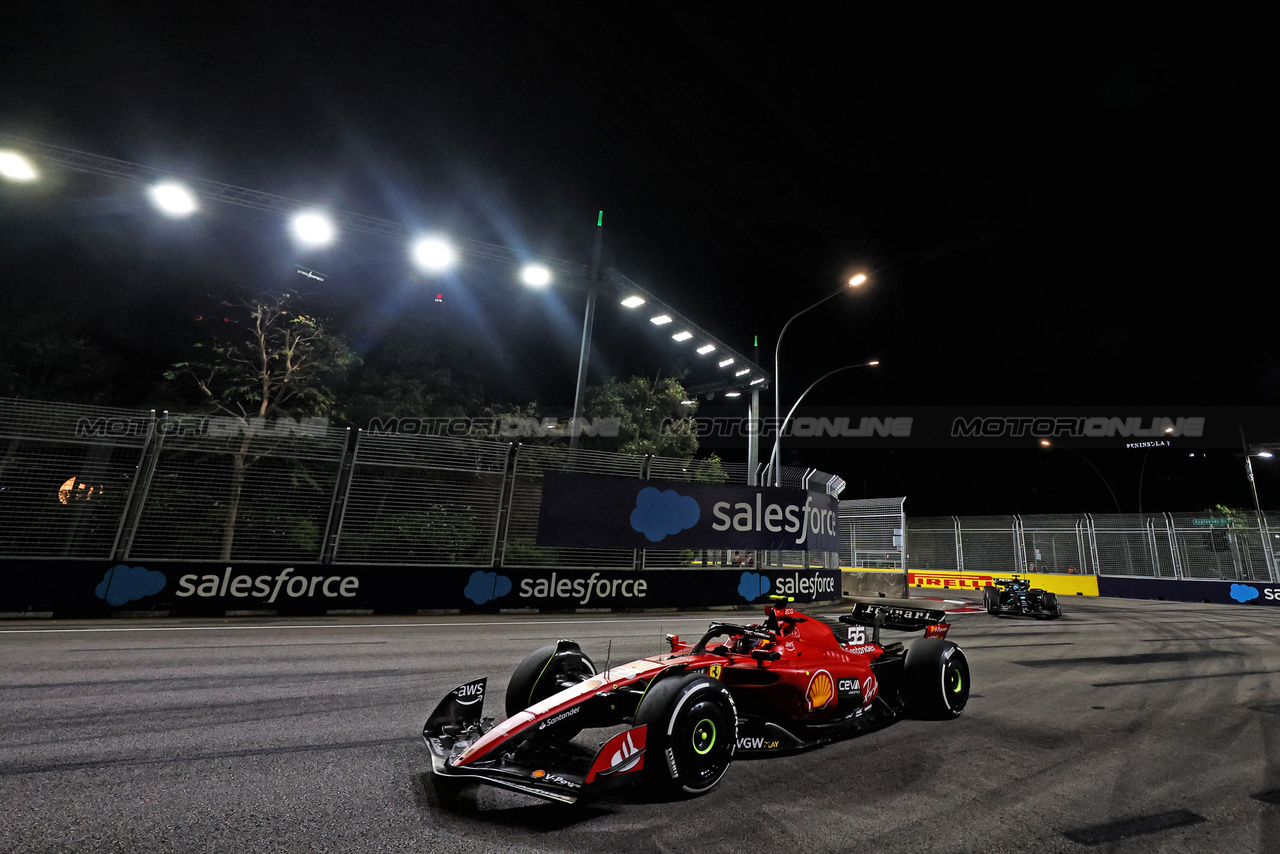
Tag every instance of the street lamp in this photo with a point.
(1047, 444)
(777, 396)
(1168, 431)
(1267, 555)
(783, 426)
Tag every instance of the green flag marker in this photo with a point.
(600, 219)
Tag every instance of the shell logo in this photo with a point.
(821, 691)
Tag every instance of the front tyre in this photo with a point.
(693, 730)
(935, 679)
(991, 600)
(547, 671)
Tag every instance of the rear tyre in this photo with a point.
(991, 599)
(693, 731)
(544, 673)
(935, 679)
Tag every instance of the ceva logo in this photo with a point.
(1243, 593)
(121, 584)
(486, 586)
(662, 513)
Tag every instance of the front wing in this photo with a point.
(564, 772)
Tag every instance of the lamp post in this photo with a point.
(1047, 444)
(1267, 555)
(777, 396)
(783, 426)
(1168, 431)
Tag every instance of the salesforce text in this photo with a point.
(770, 517)
(241, 586)
(565, 588)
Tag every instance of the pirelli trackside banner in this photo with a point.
(620, 512)
(958, 427)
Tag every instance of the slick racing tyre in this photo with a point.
(1052, 609)
(545, 672)
(693, 730)
(935, 679)
(991, 600)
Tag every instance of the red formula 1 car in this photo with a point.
(787, 684)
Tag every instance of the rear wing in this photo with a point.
(901, 615)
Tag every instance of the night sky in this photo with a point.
(1061, 207)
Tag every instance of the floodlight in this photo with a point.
(535, 275)
(632, 302)
(313, 228)
(724, 363)
(659, 320)
(682, 336)
(733, 394)
(433, 254)
(741, 372)
(857, 280)
(15, 167)
(757, 381)
(173, 199)
(705, 349)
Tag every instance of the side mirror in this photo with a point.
(763, 655)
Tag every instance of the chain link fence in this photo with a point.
(115, 484)
(1168, 545)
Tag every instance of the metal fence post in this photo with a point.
(150, 458)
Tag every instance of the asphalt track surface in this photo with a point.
(1126, 726)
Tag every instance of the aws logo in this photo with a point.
(470, 694)
(821, 691)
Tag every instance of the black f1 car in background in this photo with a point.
(1016, 596)
(784, 685)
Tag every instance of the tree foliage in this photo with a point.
(267, 358)
(653, 417)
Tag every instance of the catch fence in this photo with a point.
(1153, 545)
(117, 484)
(124, 485)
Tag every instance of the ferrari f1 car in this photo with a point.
(1016, 596)
(780, 686)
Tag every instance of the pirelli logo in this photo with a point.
(957, 580)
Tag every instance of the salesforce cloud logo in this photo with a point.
(123, 584)
(1243, 593)
(486, 586)
(752, 585)
(661, 513)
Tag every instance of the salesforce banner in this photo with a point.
(619, 512)
(101, 588)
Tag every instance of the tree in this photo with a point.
(413, 372)
(274, 362)
(653, 417)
